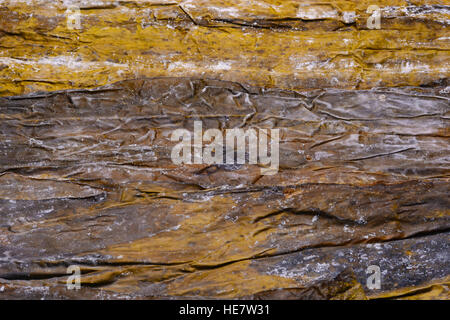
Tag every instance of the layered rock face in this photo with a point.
(87, 176)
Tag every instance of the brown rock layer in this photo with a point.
(87, 179)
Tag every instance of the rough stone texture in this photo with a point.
(86, 176)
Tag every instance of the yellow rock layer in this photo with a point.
(286, 44)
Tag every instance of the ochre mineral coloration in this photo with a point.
(87, 179)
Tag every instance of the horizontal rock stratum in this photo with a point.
(286, 44)
(88, 180)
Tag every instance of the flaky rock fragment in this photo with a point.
(343, 287)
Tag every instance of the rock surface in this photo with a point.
(86, 176)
